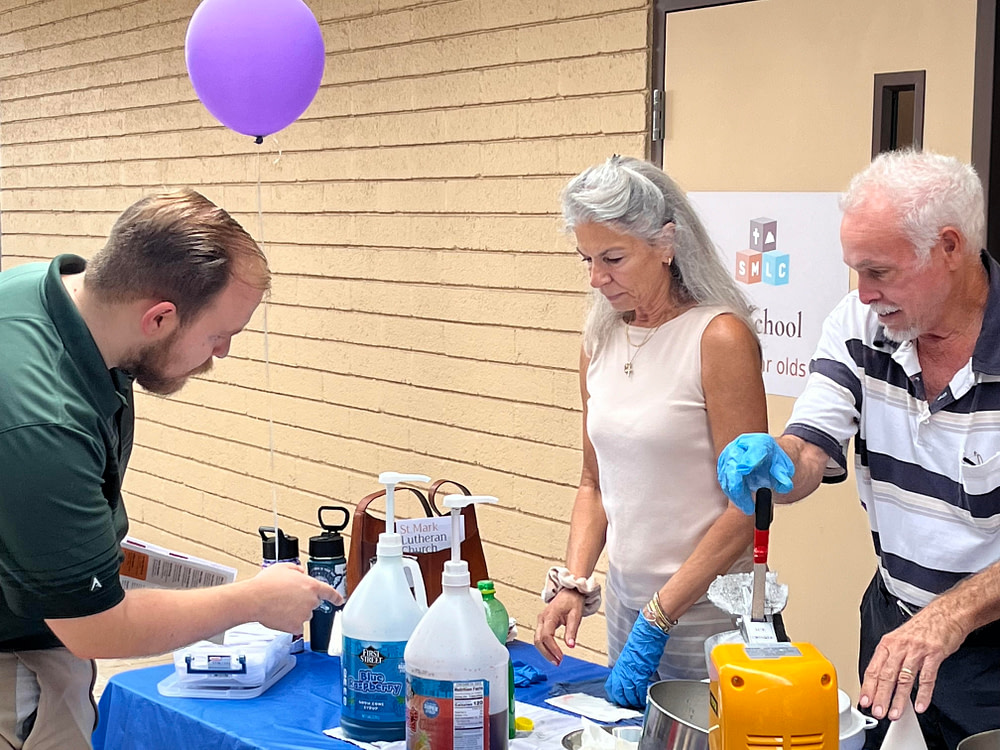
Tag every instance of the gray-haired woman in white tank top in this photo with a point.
(670, 372)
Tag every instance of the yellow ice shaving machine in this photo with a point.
(766, 694)
(772, 695)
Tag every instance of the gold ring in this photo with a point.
(906, 670)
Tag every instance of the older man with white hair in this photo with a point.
(909, 366)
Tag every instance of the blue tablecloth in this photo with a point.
(290, 716)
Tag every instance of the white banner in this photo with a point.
(784, 251)
(424, 535)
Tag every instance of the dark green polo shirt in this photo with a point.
(66, 426)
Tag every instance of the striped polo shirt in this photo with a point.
(928, 473)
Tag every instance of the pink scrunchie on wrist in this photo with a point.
(559, 578)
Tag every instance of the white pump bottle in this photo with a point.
(456, 669)
(377, 622)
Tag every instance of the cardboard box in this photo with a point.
(148, 566)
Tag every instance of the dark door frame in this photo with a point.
(985, 104)
(985, 108)
(887, 88)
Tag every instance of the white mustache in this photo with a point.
(883, 309)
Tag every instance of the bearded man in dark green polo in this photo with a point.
(177, 279)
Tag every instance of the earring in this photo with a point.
(670, 261)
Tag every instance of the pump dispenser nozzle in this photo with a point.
(456, 570)
(390, 479)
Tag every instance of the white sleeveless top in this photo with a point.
(655, 455)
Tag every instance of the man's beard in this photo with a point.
(899, 335)
(148, 365)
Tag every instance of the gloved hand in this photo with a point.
(752, 461)
(630, 677)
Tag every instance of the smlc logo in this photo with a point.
(371, 657)
(761, 261)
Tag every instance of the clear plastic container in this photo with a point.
(729, 636)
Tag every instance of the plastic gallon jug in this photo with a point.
(377, 622)
(456, 669)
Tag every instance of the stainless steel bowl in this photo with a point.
(574, 740)
(676, 716)
(983, 741)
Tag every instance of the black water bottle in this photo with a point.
(279, 547)
(285, 550)
(328, 564)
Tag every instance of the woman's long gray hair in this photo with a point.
(639, 199)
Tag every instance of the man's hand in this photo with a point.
(565, 609)
(285, 596)
(913, 652)
(630, 677)
(752, 461)
(154, 621)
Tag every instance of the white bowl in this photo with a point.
(853, 724)
(844, 706)
(853, 742)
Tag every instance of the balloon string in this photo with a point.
(267, 362)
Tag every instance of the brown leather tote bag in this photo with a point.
(365, 529)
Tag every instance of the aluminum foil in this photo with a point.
(732, 593)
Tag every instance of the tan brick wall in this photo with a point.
(425, 309)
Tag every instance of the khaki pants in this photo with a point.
(46, 700)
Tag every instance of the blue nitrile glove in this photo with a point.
(752, 461)
(525, 674)
(630, 677)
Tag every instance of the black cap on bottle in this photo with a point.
(288, 546)
(330, 543)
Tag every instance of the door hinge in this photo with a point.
(656, 127)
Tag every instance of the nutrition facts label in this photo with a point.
(469, 707)
(447, 715)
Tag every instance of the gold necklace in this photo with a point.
(629, 369)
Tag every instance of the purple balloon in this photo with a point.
(255, 64)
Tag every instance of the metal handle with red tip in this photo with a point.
(763, 514)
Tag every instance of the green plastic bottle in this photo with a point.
(499, 622)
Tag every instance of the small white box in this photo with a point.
(249, 655)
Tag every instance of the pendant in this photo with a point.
(628, 369)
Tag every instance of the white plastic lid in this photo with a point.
(389, 545)
(456, 573)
